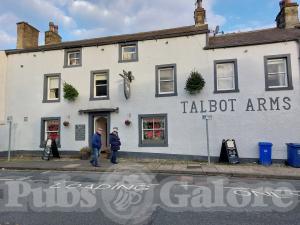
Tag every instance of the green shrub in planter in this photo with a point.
(70, 93)
(195, 83)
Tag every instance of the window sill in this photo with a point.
(128, 61)
(166, 95)
(280, 89)
(153, 145)
(99, 99)
(51, 101)
(66, 66)
(228, 91)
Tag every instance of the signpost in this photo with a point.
(207, 118)
(9, 120)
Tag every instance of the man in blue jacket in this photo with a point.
(96, 146)
(115, 144)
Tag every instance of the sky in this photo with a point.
(82, 19)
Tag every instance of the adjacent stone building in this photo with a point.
(252, 89)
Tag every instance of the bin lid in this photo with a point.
(294, 145)
(265, 144)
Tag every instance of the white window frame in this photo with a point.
(278, 73)
(164, 142)
(49, 90)
(100, 85)
(49, 132)
(77, 59)
(45, 131)
(93, 80)
(288, 72)
(131, 53)
(231, 77)
(46, 88)
(68, 54)
(158, 69)
(123, 46)
(159, 80)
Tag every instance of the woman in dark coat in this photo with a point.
(115, 144)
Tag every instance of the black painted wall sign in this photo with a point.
(80, 132)
(229, 152)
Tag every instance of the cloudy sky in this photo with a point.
(81, 19)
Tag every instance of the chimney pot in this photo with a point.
(52, 36)
(199, 14)
(288, 15)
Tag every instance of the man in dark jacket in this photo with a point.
(115, 144)
(96, 146)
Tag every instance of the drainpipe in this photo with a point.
(9, 120)
(298, 43)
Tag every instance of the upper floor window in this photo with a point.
(51, 88)
(278, 72)
(128, 52)
(226, 76)
(73, 57)
(99, 85)
(166, 82)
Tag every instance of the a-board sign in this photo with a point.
(47, 150)
(229, 152)
(54, 150)
(80, 132)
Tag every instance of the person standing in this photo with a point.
(96, 146)
(115, 144)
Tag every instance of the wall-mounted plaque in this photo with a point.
(80, 132)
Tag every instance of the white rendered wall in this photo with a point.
(186, 131)
(3, 63)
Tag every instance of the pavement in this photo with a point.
(276, 171)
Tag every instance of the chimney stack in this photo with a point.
(52, 36)
(288, 15)
(27, 36)
(199, 14)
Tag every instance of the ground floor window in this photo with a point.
(153, 130)
(50, 129)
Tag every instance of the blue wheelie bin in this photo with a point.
(265, 153)
(293, 155)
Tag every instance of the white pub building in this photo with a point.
(252, 89)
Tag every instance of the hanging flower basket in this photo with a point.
(195, 83)
(127, 122)
(70, 93)
(66, 123)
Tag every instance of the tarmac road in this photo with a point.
(88, 198)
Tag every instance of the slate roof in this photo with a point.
(258, 37)
(152, 35)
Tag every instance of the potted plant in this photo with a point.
(195, 83)
(70, 93)
(66, 123)
(85, 153)
(127, 122)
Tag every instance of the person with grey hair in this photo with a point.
(115, 144)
